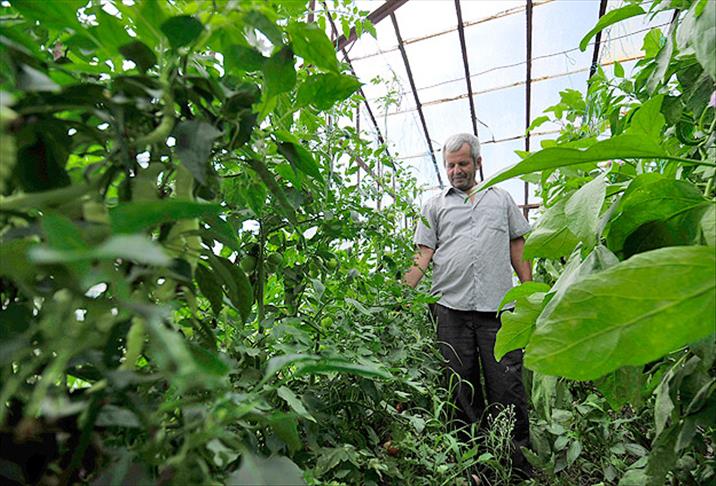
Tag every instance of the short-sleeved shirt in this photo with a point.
(472, 270)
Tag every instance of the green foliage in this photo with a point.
(671, 289)
(179, 243)
(612, 17)
(625, 242)
(195, 290)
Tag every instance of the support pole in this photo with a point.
(597, 41)
(461, 33)
(417, 98)
(528, 98)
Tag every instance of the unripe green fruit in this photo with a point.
(275, 259)
(248, 263)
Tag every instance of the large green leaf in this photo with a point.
(210, 287)
(704, 37)
(522, 291)
(270, 181)
(630, 314)
(137, 216)
(616, 15)
(518, 325)
(323, 90)
(272, 471)
(42, 152)
(207, 361)
(193, 146)
(267, 26)
(294, 402)
(621, 147)
(663, 61)
(237, 284)
(311, 43)
(279, 362)
(146, 20)
(140, 54)
(654, 198)
(61, 233)
(681, 229)
(110, 33)
(299, 157)
(239, 58)
(181, 30)
(576, 269)
(279, 72)
(285, 426)
(330, 365)
(583, 207)
(552, 237)
(648, 120)
(51, 14)
(622, 386)
(137, 248)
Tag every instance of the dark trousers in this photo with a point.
(467, 340)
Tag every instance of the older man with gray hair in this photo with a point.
(474, 239)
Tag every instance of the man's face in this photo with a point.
(461, 168)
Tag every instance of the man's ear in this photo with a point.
(478, 161)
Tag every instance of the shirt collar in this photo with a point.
(450, 189)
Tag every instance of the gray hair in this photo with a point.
(455, 143)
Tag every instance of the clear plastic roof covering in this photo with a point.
(495, 34)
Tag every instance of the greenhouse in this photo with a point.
(358, 242)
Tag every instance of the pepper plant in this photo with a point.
(194, 288)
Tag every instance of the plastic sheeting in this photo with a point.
(495, 38)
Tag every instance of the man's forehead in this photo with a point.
(458, 155)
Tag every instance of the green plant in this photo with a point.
(626, 247)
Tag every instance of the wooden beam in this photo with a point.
(415, 94)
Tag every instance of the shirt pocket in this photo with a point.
(494, 218)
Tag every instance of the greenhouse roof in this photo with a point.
(490, 66)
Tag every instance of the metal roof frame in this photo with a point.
(388, 9)
(415, 95)
(375, 16)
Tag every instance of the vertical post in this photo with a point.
(419, 105)
(463, 48)
(311, 10)
(528, 97)
(597, 41)
(358, 132)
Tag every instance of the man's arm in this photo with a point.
(416, 272)
(522, 267)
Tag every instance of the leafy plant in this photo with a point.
(625, 245)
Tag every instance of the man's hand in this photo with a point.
(522, 267)
(416, 272)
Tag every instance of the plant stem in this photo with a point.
(260, 273)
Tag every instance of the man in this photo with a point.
(473, 238)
